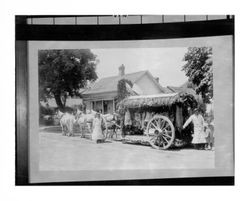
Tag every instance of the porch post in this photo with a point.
(102, 108)
(113, 105)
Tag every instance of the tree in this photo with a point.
(63, 72)
(199, 70)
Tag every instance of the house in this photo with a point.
(102, 95)
(186, 87)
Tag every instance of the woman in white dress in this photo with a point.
(127, 120)
(199, 136)
(97, 134)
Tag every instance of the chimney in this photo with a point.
(122, 70)
(157, 79)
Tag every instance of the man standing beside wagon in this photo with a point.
(199, 136)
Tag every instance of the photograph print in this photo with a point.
(126, 109)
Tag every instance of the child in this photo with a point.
(209, 129)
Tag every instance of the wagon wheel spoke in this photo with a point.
(166, 126)
(165, 139)
(153, 139)
(158, 123)
(165, 130)
(163, 125)
(166, 134)
(157, 141)
(154, 125)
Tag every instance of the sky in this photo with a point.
(165, 63)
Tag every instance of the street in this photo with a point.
(59, 152)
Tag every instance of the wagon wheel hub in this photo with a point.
(158, 131)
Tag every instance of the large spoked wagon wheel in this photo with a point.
(160, 132)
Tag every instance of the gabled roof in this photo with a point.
(186, 87)
(109, 84)
(169, 89)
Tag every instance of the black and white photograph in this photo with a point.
(128, 100)
(122, 98)
(140, 108)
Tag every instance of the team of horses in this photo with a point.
(85, 122)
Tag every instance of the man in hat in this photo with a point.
(199, 136)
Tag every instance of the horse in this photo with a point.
(67, 121)
(85, 120)
(112, 124)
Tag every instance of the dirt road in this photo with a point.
(59, 152)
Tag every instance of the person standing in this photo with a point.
(209, 129)
(127, 120)
(199, 136)
(97, 134)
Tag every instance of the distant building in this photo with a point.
(186, 87)
(102, 95)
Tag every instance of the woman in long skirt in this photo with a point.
(97, 134)
(127, 122)
(199, 136)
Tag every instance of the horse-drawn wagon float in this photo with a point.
(159, 118)
(155, 120)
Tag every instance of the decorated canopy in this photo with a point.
(158, 100)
